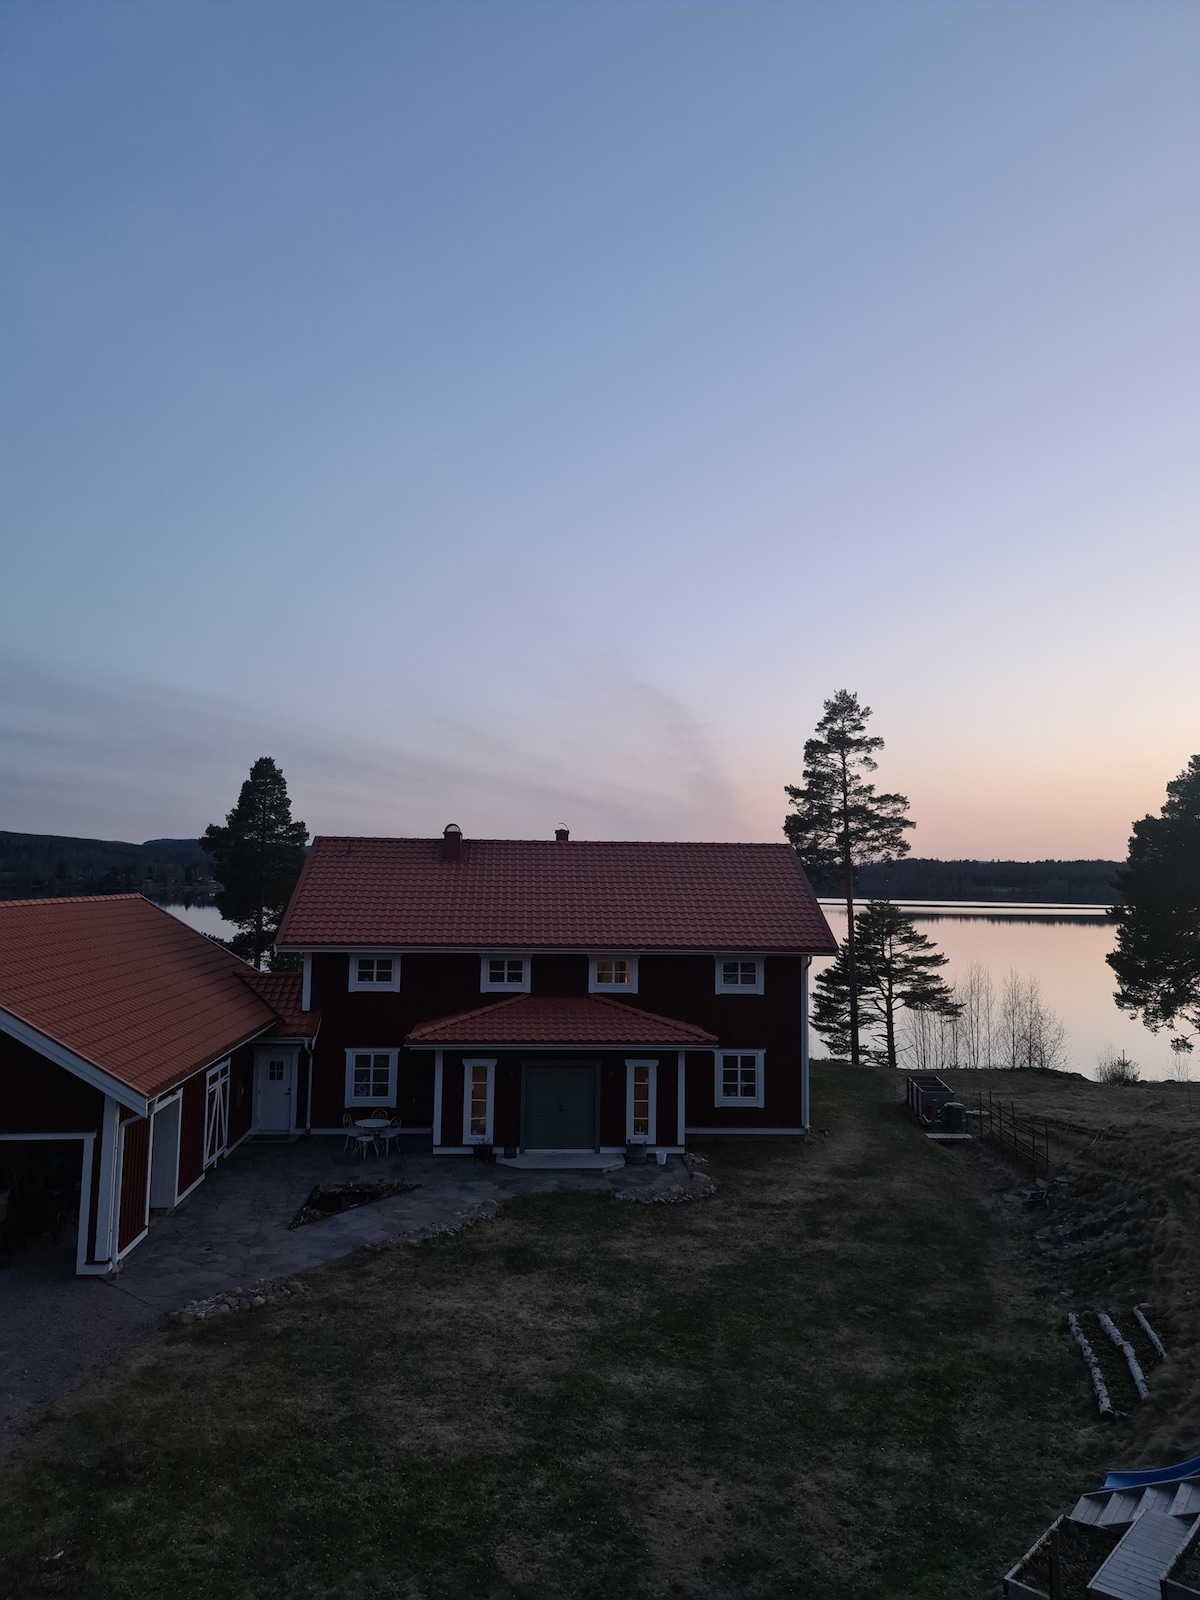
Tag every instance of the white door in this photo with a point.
(216, 1113)
(164, 1156)
(275, 1076)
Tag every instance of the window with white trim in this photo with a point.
(479, 1088)
(641, 1096)
(612, 975)
(371, 971)
(739, 975)
(506, 973)
(739, 1077)
(371, 1077)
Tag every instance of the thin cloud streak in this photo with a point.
(103, 757)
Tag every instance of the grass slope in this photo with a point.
(837, 1378)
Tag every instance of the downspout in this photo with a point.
(804, 1116)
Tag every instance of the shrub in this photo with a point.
(1113, 1068)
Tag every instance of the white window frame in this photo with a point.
(371, 1050)
(651, 1134)
(739, 988)
(595, 987)
(358, 986)
(719, 1096)
(486, 986)
(469, 1063)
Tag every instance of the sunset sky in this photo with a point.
(527, 414)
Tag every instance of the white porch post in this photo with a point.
(437, 1098)
(806, 963)
(108, 1208)
(679, 1112)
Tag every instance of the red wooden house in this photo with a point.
(548, 997)
(134, 1054)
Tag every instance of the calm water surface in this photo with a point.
(1062, 946)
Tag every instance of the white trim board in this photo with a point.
(744, 1133)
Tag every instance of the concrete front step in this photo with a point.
(563, 1161)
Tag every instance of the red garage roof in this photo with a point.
(585, 1020)
(535, 894)
(126, 988)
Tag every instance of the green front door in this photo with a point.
(560, 1106)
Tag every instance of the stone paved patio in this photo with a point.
(57, 1329)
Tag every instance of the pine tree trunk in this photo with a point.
(848, 870)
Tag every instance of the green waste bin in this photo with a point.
(952, 1117)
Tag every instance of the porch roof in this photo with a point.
(529, 1021)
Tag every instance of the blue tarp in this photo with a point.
(1135, 1480)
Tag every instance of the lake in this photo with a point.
(1062, 946)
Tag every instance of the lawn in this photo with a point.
(842, 1376)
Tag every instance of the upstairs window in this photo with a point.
(374, 972)
(506, 973)
(370, 1077)
(739, 975)
(613, 975)
(739, 1077)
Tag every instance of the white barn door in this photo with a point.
(216, 1113)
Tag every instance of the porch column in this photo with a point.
(437, 1098)
(681, 1072)
(804, 966)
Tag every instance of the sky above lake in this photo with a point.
(530, 413)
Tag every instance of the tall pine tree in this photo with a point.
(257, 858)
(897, 967)
(838, 822)
(1157, 959)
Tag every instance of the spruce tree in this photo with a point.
(1157, 959)
(896, 968)
(839, 822)
(257, 858)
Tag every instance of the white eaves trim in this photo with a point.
(77, 1065)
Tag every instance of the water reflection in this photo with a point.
(1063, 947)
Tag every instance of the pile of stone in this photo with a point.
(699, 1186)
(485, 1211)
(268, 1291)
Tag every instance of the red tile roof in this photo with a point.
(282, 992)
(585, 1020)
(126, 986)
(535, 894)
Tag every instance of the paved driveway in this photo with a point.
(57, 1329)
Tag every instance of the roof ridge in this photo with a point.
(79, 899)
(553, 844)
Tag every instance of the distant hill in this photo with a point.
(36, 865)
(1052, 882)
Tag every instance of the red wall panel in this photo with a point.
(37, 1096)
(191, 1132)
(134, 1177)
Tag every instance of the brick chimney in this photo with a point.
(562, 835)
(452, 842)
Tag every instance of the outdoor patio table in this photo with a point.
(373, 1123)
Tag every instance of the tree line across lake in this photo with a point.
(33, 865)
(37, 865)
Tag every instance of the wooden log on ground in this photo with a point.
(1149, 1332)
(1126, 1349)
(1093, 1366)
